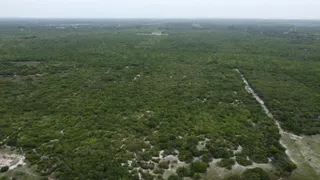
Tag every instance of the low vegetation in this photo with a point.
(101, 102)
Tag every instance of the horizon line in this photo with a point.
(160, 18)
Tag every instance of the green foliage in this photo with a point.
(12, 142)
(4, 169)
(156, 160)
(134, 146)
(164, 164)
(196, 176)
(147, 176)
(255, 174)
(183, 172)
(4, 178)
(92, 98)
(186, 156)
(259, 158)
(226, 163)
(198, 167)
(146, 165)
(242, 160)
(233, 177)
(220, 153)
(158, 171)
(284, 163)
(207, 158)
(173, 177)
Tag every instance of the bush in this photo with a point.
(156, 160)
(164, 164)
(146, 165)
(4, 178)
(226, 163)
(259, 158)
(12, 142)
(284, 163)
(183, 171)
(173, 177)
(185, 156)
(198, 167)
(255, 174)
(206, 158)
(134, 175)
(4, 169)
(195, 152)
(243, 161)
(196, 176)
(233, 177)
(154, 152)
(147, 176)
(158, 171)
(134, 164)
(146, 156)
(159, 177)
(192, 141)
(220, 153)
(135, 146)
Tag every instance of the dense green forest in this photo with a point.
(108, 99)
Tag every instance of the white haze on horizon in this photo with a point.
(256, 9)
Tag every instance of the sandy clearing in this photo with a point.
(11, 160)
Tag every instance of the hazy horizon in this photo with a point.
(156, 18)
(164, 9)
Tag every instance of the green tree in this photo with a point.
(183, 171)
(173, 177)
(255, 174)
(198, 167)
(4, 169)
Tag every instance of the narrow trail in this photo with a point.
(261, 102)
(302, 150)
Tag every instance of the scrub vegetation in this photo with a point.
(102, 100)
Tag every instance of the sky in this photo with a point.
(252, 9)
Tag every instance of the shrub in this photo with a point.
(134, 163)
(226, 163)
(158, 171)
(185, 156)
(192, 141)
(147, 176)
(159, 177)
(4, 169)
(283, 162)
(154, 152)
(198, 167)
(156, 160)
(259, 158)
(220, 153)
(196, 176)
(135, 146)
(173, 177)
(164, 164)
(145, 156)
(146, 165)
(183, 171)
(206, 158)
(233, 177)
(12, 142)
(243, 161)
(255, 174)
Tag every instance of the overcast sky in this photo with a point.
(265, 9)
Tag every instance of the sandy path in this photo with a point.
(302, 150)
